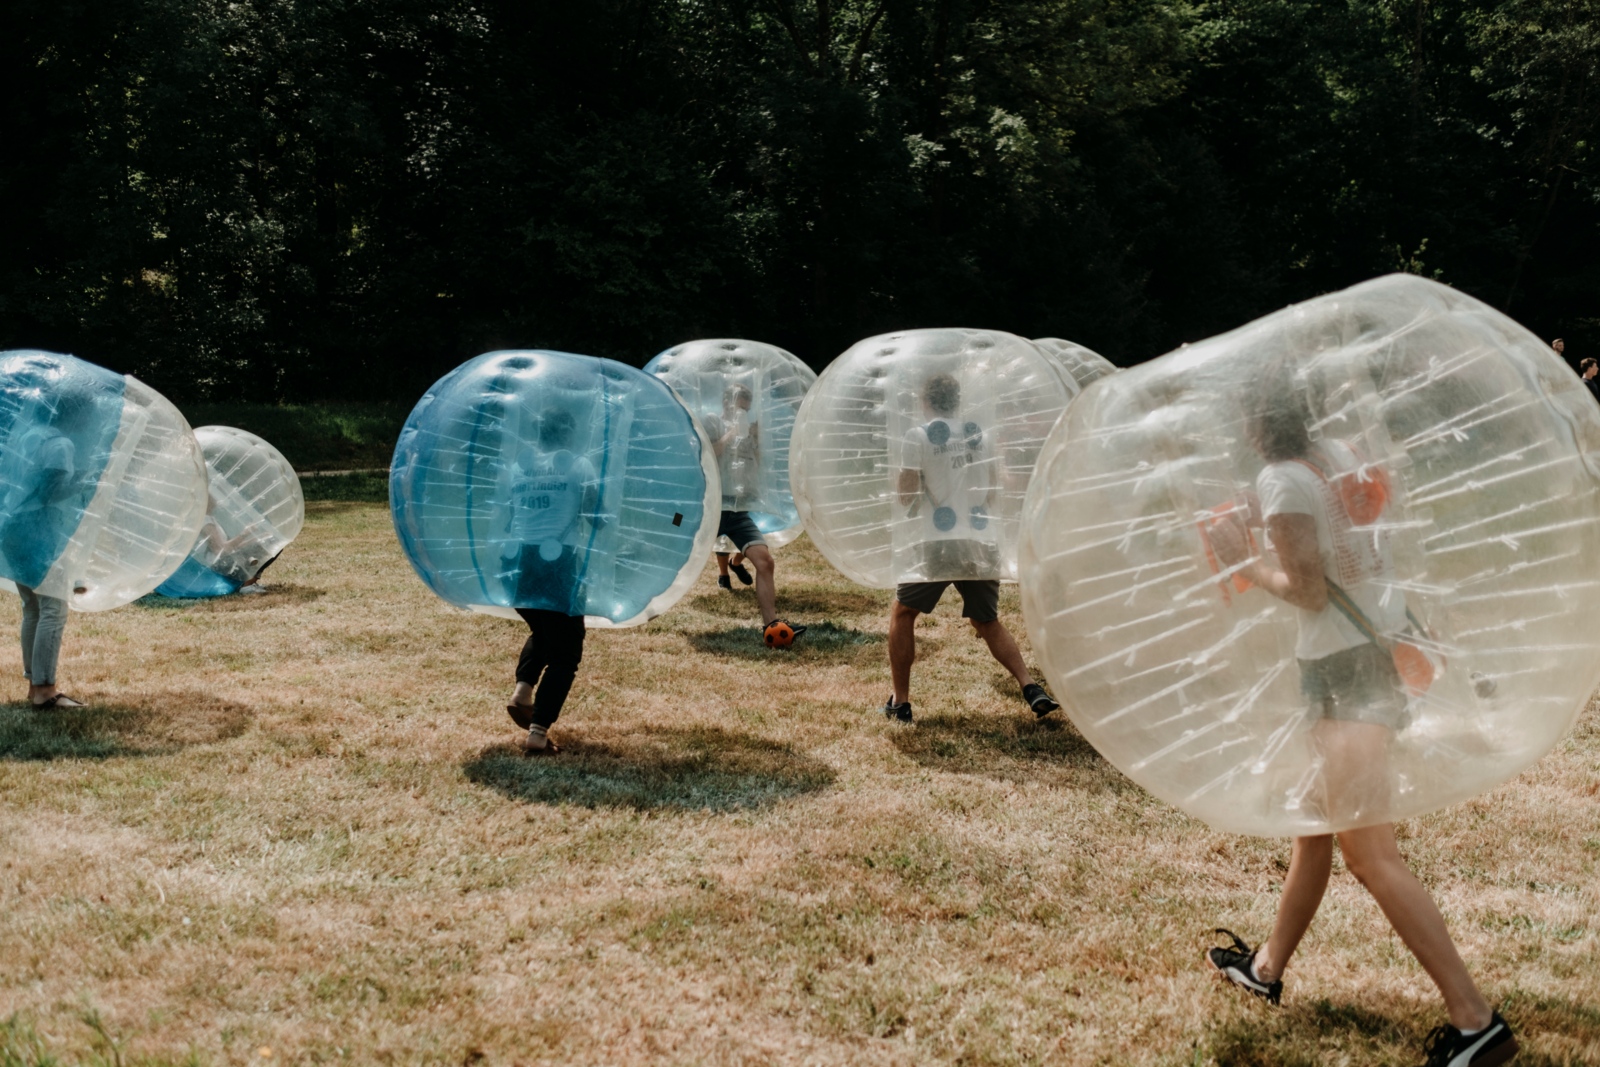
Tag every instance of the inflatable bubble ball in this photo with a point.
(558, 482)
(1083, 366)
(1332, 569)
(102, 488)
(746, 395)
(913, 450)
(255, 508)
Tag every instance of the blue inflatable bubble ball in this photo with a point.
(102, 488)
(255, 508)
(555, 481)
(746, 395)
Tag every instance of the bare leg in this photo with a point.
(902, 648)
(722, 563)
(766, 590)
(738, 558)
(1003, 647)
(1373, 857)
(1309, 866)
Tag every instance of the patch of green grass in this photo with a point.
(298, 822)
(364, 487)
(332, 436)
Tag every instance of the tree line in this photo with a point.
(297, 199)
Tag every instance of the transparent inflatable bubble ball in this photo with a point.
(913, 450)
(558, 482)
(1334, 568)
(1082, 365)
(102, 486)
(254, 509)
(746, 395)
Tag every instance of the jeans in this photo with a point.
(43, 620)
(554, 648)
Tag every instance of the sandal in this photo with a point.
(550, 748)
(59, 702)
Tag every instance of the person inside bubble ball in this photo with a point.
(949, 487)
(1334, 569)
(43, 480)
(242, 559)
(553, 493)
(736, 440)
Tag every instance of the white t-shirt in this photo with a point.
(39, 452)
(547, 500)
(958, 477)
(740, 463)
(1356, 560)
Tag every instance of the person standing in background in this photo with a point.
(736, 440)
(948, 485)
(1589, 371)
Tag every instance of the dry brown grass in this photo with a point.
(294, 823)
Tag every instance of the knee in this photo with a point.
(985, 628)
(764, 565)
(1369, 865)
(902, 615)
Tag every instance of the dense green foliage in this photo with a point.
(281, 199)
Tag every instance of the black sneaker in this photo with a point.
(1237, 965)
(1041, 702)
(743, 572)
(896, 712)
(1449, 1047)
(722, 580)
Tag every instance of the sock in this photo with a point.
(538, 736)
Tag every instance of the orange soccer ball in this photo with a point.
(778, 634)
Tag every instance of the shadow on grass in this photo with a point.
(140, 724)
(693, 769)
(276, 596)
(800, 603)
(1551, 1030)
(1310, 1034)
(822, 640)
(1012, 747)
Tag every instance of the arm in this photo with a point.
(56, 486)
(590, 507)
(1298, 579)
(908, 487)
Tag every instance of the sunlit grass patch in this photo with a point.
(299, 822)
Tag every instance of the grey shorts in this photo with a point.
(980, 598)
(1357, 685)
(740, 528)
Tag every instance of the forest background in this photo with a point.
(286, 200)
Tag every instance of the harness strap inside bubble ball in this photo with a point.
(1358, 618)
(1339, 597)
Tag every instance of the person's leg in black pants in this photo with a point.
(545, 673)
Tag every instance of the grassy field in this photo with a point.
(294, 829)
(315, 437)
